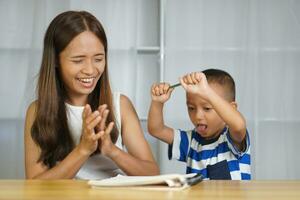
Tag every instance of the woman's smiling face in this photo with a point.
(82, 63)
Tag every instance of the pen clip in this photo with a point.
(194, 180)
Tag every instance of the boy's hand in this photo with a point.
(196, 83)
(161, 92)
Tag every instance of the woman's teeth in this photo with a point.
(86, 80)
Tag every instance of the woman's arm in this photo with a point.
(65, 169)
(139, 159)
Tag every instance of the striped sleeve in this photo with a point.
(179, 148)
(233, 148)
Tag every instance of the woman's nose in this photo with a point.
(88, 68)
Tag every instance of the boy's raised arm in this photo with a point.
(160, 93)
(197, 83)
(231, 116)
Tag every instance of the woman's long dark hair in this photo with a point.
(50, 129)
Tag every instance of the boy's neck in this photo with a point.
(217, 135)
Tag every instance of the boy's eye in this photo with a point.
(191, 108)
(207, 109)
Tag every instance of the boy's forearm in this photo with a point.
(231, 116)
(156, 125)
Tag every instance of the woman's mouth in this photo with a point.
(87, 82)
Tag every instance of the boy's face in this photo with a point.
(205, 119)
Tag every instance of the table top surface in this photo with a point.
(79, 189)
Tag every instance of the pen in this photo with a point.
(176, 85)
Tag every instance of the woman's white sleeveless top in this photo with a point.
(97, 166)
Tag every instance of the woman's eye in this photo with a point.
(98, 60)
(77, 61)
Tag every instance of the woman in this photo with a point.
(78, 128)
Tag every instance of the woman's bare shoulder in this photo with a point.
(30, 116)
(31, 110)
(124, 99)
(126, 104)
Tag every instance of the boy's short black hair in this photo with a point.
(222, 78)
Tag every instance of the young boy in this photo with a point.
(219, 146)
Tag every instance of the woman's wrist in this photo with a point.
(81, 151)
(114, 152)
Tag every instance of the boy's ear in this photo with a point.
(234, 105)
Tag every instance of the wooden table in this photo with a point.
(75, 189)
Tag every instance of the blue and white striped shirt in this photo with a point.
(217, 158)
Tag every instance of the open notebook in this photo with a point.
(167, 181)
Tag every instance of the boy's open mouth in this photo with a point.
(201, 128)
